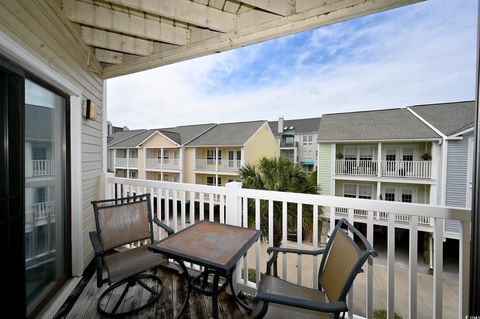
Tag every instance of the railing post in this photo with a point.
(233, 204)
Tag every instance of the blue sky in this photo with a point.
(422, 53)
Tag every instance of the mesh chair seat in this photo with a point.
(131, 262)
(275, 285)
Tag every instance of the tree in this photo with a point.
(279, 174)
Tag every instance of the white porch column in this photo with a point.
(127, 150)
(180, 164)
(379, 162)
(216, 159)
(161, 160)
(318, 164)
(194, 160)
(114, 160)
(379, 190)
(242, 157)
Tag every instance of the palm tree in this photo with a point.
(278, 174)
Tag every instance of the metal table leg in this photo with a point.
(187, 277)
(241, 303)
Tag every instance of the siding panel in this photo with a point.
(456, 182)
(38, 27)
(325, 168)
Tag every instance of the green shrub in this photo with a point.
(252, 274)
(382, 314)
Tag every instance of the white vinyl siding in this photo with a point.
(456, 183)
(325, 168)
(35, 26)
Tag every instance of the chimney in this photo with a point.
(125, 129)
(280, 125)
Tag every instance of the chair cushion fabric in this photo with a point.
(277, 311)
(131, 262)
(123, 224)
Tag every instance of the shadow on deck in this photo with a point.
(175, 291)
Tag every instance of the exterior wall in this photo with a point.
(325, 168)
(456, 182)
(188, 160)
(339, 187)
(303, 150)
(202, 178)
(158, 141)
(262, 144)
(141, 163)
(35, 27)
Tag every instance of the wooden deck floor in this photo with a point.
(175, 290)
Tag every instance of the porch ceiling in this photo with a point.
(127, 36)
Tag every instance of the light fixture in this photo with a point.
(89, 109)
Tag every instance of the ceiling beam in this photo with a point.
(109, 56)
(116, 42)
(309, 19)
(280, 7)
(116, 21)
(185, 11)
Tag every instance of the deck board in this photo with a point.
(175, 290)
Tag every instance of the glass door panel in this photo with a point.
(45, 183)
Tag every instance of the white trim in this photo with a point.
(384, 140)
(444, 171)
(57, 301)
(29, 62)
(157, 132)
(469, 188)
(427, 123)
(105, 131)
(76, 187)
(400, 180)
(461, 133)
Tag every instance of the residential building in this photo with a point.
(419, 154)
(218, 154)
(298, 140)
(68, 49)
(155, 154)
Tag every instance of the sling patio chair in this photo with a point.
(342, 260)
(120, 222)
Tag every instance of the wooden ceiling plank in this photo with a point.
(116, 42)
(280, 7)
(186, 11)
(116, 21)
(109, 56)
(299, 22)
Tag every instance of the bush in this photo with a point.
(252, 274)
(382, 314)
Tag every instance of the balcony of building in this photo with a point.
(126, 158)
(402, 286)
(218, 160)
(162, 159)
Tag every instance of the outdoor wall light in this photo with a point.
(89, 109)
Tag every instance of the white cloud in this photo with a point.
(423, 53)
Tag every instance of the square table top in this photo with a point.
(208, 244)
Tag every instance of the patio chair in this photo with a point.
(120, 222)
(342, 260)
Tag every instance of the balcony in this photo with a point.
(42, 168)
(204, 164)
(126, 162)
(180, 205)
(288, 144)
(403, 169)
(39, 214)
(159, 164)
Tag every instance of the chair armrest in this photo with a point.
(97, 245)
(276, 250)
(168, 229)
(335, 307)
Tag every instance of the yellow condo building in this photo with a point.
(209, 154)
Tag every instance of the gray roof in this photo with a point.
(228, 134)
(448, 118)
(392, 124)
(38, 123)
(180, 135)
(299, 125)
(123, 137)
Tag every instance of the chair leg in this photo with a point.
(103, 301)
(260, 310)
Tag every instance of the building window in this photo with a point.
(133, 175)
(407, 154)
(407, 196)
(307, 139)
(210, 180)
(358, 191)
(40, 195)
(39, 153)
(133, 153)
(350, 153)
(211, 157)
(390, 194)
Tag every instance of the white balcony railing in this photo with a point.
(222, 165)
(156, 163)
(40, 214)
(354, 167)
(126, 162)
(412, 169)
(42, 167)
(174, 203)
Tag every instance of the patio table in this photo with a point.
(217, 247)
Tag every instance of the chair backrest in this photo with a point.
(342, 261)
(123, 221)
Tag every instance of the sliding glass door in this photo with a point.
(45, 192)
